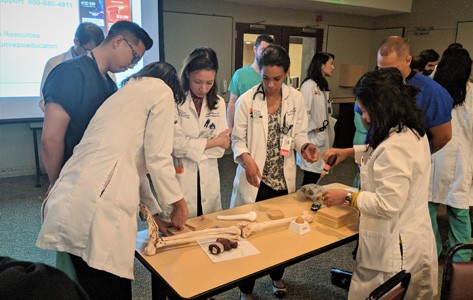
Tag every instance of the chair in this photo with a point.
(391, 290)
(457, 276)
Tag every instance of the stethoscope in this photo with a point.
(259, 90)
(256, 114)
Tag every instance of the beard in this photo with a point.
(427, 72)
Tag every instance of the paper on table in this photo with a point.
(245, 248)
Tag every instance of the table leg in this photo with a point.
(36, 157)
(158, 288)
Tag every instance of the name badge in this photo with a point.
(285, 146)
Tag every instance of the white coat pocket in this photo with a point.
(379, 251)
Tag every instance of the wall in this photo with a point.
(191, 31)
(16, 150)
(439, 14)
(16, 140)
(352, 45)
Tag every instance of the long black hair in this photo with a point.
(166, 73)
(453, 73)
(390, 104)
(315, 70)
(202, 58)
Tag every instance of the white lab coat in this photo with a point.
(393, 206)
(452, 166)
(250, 135)
(318, 110)
(190, 139)
(92, 208)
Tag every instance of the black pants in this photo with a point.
(264, 192)
(310, 177)
(100, 284)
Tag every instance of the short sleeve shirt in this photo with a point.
(244, 79)
(434, 101)
(78, 86)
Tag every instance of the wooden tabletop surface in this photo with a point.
(190, 273)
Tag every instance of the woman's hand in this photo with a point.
(310, 153)
(334, 197)
(179, 213)
(224, 138)
(253, 174)
(163, 225)
(341, 154)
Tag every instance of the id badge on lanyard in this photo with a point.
(285, 145)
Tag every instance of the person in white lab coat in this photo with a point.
(320, 129)
(201, 134)
(395, 232)
(270, 124)
(91, 211)
(452, 166)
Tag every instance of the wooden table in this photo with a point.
(188, 273)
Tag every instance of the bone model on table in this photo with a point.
(251, 216)
(222, 245)
(156, 243)
(249, 229)
(153, 229)
(233, 233)
(230, 233)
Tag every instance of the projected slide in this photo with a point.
(32, 31)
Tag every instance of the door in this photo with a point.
(301, 44)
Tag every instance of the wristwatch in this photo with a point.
(348, 197)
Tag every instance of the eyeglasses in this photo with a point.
(85, 49)
(136, 57)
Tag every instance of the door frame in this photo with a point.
(281, 35)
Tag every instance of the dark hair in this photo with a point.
(166, 73)
(315, 69)
(263, 38)
(455, 45)
(202, 58)
(390, 104)
(418, 63)
(274, 55)
(453, 73)
(132, 32)
(429, 55)
(87, 32)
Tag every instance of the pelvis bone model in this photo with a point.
(243, 229)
